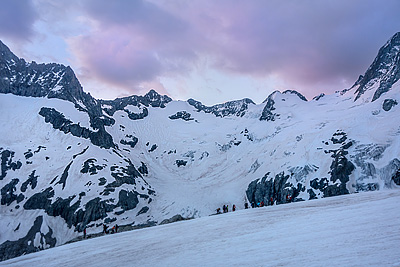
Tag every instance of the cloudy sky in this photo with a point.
(212, 51)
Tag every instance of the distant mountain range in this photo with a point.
(70, 161)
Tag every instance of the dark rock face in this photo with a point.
(143, 210)
(90, 167)
(47, 80)
(180, 162)
(25, 245)
(237, 108)
(295, 93)
(7, 193)
(143, 169)
(100, 138)
(152, 98)
(32, 181)
(64, 176)
(396, 177)
(175, 218)
(41, 200)
(132, 143)
(267, 113)
(277, 188)
(181, 115)
(385, 70)
(128, 200)
(388, 104)
(318, 97)
(153, 147)
(340, 168)
(7, 162)
(137, 116)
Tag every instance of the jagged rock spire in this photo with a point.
(383, 72)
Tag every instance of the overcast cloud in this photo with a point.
(312, 46)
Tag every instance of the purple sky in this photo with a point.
(213, 51)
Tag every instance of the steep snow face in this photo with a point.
(353, 230)
(69, 163)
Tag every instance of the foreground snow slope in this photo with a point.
(352, 230)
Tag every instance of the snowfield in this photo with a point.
(353, 230)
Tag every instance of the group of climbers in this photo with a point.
(225, 209)
(113, 230)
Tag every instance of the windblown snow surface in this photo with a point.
(352, 230)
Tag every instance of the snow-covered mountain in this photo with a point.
(69, 161)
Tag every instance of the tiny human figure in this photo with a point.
(105, 229)
(84, 232)
(116, 228)
(262, 204)
(224, 208)
(246, 205)
(253, 205)
(272, 201)
(113, 230)
(233, 208)
(227, 209)
(218, 211)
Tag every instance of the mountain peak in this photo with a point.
(383, 72)
(6, 56)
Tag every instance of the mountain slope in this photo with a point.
(70, 162)
(353, 230)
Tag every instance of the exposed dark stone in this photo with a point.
(339, 137)
(64, 176)
(62, 207)
(295, 93)
(276, 188)
(32, 180)
(127, 200)
(7, 162)
(25, 245)
(312, 194)
(102, 181)
(132, 143)
(28, 154)
(175, 218)
(99, 138)
(367, 187)
(90, 166)
(396, 177)
(152, 98)
(385, 70)
(180, 162)
(181, 115)
(123, 175)
(40, 200)
(341, 168)
(7, 193)
(143, 210)
(318, 97)
(237, 108)
(143, 169)
(95, 209)
(267, 113)
(153, 147)
(80, 153)
(388, 104)
(319, 184)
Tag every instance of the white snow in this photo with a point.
(353, 230)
